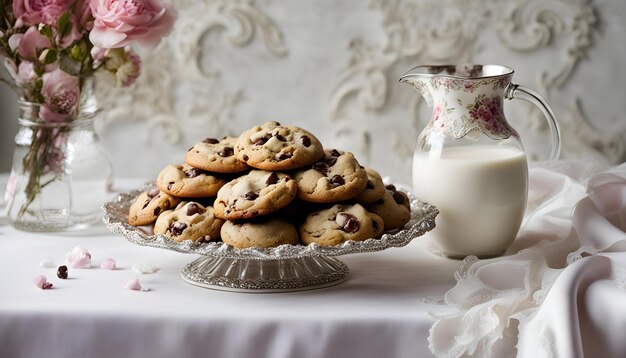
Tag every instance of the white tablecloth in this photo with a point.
(531, 302)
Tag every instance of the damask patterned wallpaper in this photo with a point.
(332, 67)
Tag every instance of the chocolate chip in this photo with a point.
(379, 202)
(245, 158)
(330, 161)
(211, 141)
(226, 152)
(321, 167)
(153, 192)
(169, 185)
(280, 137)
(263, 139)
(375, 224)
(370, 185)
(146, 203)
(177, 228)
(157, 211)
(62, 272)
(336, 181)
(193, 172)
(284, 156)
(189, 150)
(398, 197)
(272, 179)
(335, 153)
(350, 224)
(391, 187)
(251, 195)
(306, 141)
(192, 208)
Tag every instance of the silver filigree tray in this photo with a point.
(278, 269)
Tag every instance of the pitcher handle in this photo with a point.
(520, 92)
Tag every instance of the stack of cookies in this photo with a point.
(272, 185)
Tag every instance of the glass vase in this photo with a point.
(61, 174)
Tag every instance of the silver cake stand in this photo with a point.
(256, 270)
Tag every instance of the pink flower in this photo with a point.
(60, 92)
(468, 86)
(29, 45)
(83, 14)
(26, 75)
(484, 113)
(33, 12)
(437, 111)
(119, 22)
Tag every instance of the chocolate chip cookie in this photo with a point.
(272, 146)
(189, 221)
(270, 232)
(189, 182)
(148, 205)
(337, 177)
(215, 156)
(394, 208)
(374, 190)
(257, 193)
(340, 223)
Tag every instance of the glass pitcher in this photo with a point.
(469, 162)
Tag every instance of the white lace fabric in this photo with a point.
(559, 291)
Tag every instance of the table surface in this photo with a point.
(558, 291)
(383, 309)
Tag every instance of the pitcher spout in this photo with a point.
(420, 80)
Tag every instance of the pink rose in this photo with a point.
(33, 12)
(29, 45)
(117, 23)
(60, 92)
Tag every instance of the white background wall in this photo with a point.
(332, 67)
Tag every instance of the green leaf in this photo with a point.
(78, 52)
(64, 24)
(46, 30)
(48, 56)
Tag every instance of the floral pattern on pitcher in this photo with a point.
(487, 111)
(463, 105)
(441, 112)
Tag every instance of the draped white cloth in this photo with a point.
(560, 289)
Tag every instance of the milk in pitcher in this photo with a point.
(480, 192)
